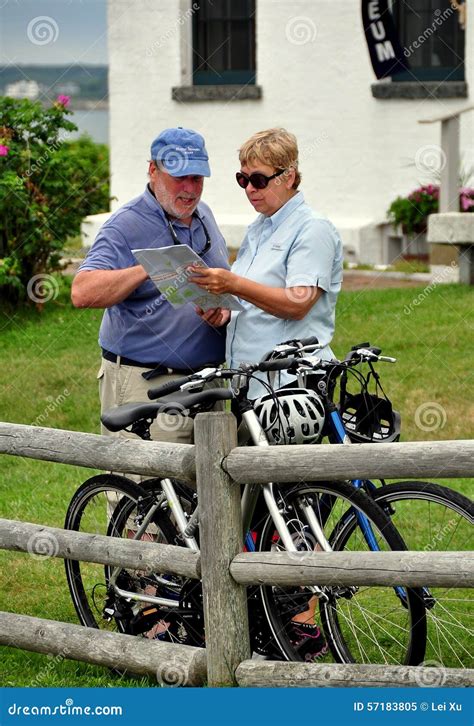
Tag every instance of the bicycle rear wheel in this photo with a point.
(113, 505)
(431, 517)
(365, 624)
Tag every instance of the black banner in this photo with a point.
(386, 53)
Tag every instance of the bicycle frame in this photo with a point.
(251, 492)
(250, 496)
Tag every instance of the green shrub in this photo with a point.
(412, 212)
(47, 186)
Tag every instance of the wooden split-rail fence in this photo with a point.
(219, 467)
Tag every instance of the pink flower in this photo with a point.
(466, 203)
(63, 100)
(4, 150)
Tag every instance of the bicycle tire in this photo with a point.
(281, 604)
(433, 517)
(90, 511)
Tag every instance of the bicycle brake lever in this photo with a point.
(192, 385)
(366, 353)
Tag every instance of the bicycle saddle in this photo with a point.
(118, 418)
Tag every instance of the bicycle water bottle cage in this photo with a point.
(370, 419)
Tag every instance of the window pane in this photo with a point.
(431, 33)
(240, 48)
(224, 41)
(218, 41)
(241, 9)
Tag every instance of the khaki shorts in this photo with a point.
(120, 384)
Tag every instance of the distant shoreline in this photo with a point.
(86, 104)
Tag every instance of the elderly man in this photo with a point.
(141, 332)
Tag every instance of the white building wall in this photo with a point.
(356, 152)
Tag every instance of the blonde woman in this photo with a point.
(287, 275)
(288, 272)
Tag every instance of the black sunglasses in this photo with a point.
(176, 241)
(257, 180)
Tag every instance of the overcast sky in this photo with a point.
(51, 32)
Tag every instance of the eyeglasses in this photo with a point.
(257, 180)
(176, 241)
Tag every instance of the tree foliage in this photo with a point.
(47, 186)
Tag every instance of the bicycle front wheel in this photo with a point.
(431, 517)
(121, 599)
(360, 624)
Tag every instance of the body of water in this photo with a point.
(95, 122)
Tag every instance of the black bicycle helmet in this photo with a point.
(370, 419)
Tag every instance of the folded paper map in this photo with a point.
(168, 267)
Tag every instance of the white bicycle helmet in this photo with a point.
(291, 416)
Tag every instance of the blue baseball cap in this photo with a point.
(181, 152)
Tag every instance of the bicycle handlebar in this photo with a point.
(357, 355)
(278, 364)
(169, 387)
(312, 340)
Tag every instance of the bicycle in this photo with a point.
(427, 515)
(360, 624)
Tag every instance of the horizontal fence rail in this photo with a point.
(115, 551)
(327, 462)
(446, 459)
(169, 663)
(415, 569)
(274, 674)
(130, 456)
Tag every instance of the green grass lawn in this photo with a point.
(48, 372)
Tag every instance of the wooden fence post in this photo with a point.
(225, 602)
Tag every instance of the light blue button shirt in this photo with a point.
(293, 247)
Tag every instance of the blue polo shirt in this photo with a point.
(295, 246)
(145, 327)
